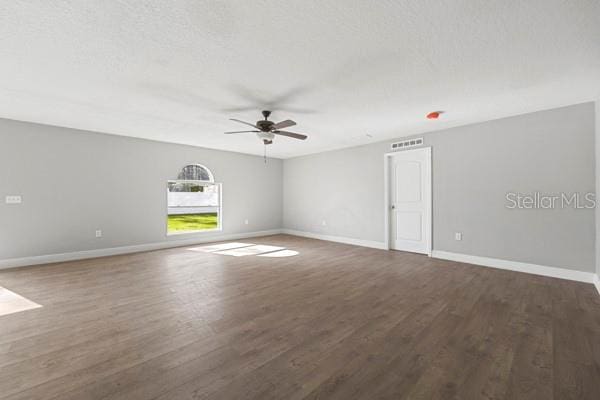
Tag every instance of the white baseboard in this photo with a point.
(597, 282)
(535, 269)
(339, 239)
(81, 255)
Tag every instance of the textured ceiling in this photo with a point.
(176, 71)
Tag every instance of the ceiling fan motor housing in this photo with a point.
(264, 126)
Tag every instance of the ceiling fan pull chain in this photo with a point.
(265, 154)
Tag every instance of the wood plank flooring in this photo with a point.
(333, 322)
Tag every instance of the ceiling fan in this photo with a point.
(266, 130)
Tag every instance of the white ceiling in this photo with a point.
(175, 70)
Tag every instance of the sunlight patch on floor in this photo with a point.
(11, 303)
(281, 253)
(249, 251)
(239, 249)
(220, 247)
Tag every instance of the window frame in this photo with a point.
(219, 227)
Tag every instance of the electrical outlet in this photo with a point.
(98, 233)
(457, 236)
(245, 222)
(13, 199)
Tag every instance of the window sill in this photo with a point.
(194, 232)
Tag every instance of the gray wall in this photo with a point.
(473, 168)
(597, 185)
(74, 182)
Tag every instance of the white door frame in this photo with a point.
(386, 199)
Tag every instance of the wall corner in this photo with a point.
(597, 188)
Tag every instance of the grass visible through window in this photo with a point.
(192, 222)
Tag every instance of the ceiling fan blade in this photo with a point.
(243, 122)
(284, 124)
(291, 134)
(227, 133)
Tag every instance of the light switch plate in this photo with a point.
(14, 199)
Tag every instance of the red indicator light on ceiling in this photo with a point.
(434, 115)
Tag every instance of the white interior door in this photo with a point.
(410, 200)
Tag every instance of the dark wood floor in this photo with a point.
(334, 322)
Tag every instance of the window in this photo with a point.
(193, 201)
(196, 172)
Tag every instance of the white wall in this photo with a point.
(473, 168)
(74, 182)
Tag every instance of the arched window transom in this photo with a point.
(195, 172)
